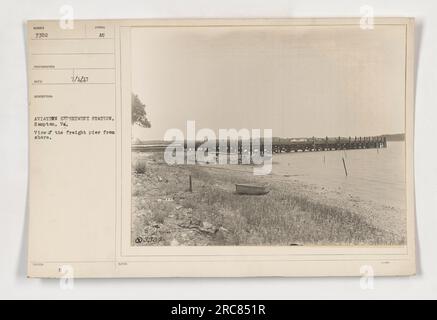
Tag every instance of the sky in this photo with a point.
(298, 81)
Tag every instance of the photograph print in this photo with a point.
(268, 136)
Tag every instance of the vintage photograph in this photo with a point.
(268, 136)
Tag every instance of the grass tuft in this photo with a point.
(140, 167)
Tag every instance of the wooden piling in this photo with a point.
(344, 166)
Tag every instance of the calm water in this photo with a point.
(373, 174)
(377, 175)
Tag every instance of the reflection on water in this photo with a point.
(373, 174)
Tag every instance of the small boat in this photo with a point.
(250, 189)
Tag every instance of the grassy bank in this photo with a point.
(166, 213)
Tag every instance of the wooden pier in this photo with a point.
(328, 144)
(279, 145)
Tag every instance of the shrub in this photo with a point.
(140, 167)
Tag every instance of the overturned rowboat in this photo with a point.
(251, 189)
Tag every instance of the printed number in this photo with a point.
(40, 35)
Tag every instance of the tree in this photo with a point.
(139, 115)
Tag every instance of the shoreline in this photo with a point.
(293, 213)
